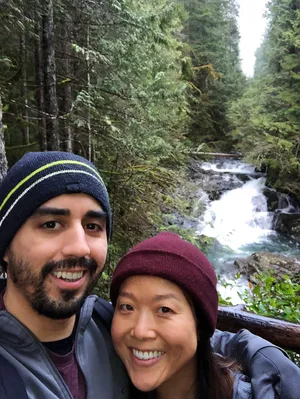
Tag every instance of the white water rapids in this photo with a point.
(240, 217)
(239, 220)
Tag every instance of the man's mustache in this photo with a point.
(86, 263)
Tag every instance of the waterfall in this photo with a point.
(239, 217)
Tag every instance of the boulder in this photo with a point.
(262, 262)
(215, 183)
(288, 224)
(272, 199)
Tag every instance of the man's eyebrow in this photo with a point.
(96, 215)
(51, 211)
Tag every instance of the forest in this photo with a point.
(138, 86)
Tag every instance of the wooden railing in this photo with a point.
(279, 332)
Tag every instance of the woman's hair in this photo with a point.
(214, 378)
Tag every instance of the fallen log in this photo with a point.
(279, 332)
(216, 154)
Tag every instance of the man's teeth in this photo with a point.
(147, 355)
(68, 275)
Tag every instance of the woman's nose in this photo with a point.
(144, 327)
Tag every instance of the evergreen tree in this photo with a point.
(213, 36)
(269, 133)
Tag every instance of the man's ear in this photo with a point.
(5, 257)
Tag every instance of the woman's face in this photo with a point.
(154, 333)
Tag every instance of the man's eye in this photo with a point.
(94, 227)
(51, 225)
(165, 310)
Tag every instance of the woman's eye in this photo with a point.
(51, 225)
(125, 307)
(165, 310)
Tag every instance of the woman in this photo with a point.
(166, 302)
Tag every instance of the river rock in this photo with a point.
(289, 224)
(262, 262)
(280, 201)
(215, 183)
(272, 199)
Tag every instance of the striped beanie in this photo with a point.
(36, 178)
(168, 256)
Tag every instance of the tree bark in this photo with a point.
(67, 103)
(51, 105)
(89, 94)
(39, 83)
(3, 161)
(279, 332)
(24, 90)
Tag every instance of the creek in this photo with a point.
(240, 219)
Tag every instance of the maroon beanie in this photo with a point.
(168, 256)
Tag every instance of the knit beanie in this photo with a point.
(168, 256)
(39, 176)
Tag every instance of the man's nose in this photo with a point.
(75, 242)
(144, 327)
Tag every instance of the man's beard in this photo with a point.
(33, 287)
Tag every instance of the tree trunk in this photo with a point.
(89, 94)
(67, 103)
(39, 83)
(24, 90)
(51, 106)
(3, 161)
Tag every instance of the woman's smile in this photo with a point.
(154, 332)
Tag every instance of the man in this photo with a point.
(55, 222)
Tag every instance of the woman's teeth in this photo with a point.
(68, 275)
(147, 355)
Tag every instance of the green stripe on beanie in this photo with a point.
(39, 176)
(168, 256)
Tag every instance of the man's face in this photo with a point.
(58, 254)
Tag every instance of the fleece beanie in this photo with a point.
(39, 176)
(168, 256)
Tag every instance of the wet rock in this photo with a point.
(272, 199)
(280, 201)
(262, 262)
(288, 224)
(215, 183)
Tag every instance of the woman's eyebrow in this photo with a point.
(126, 294)
(166, 296)
(156, 298)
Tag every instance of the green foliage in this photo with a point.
(129, 105)
(224, 301)
(212, 33)
(270, 297)
(274, 298)
(266, 120)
